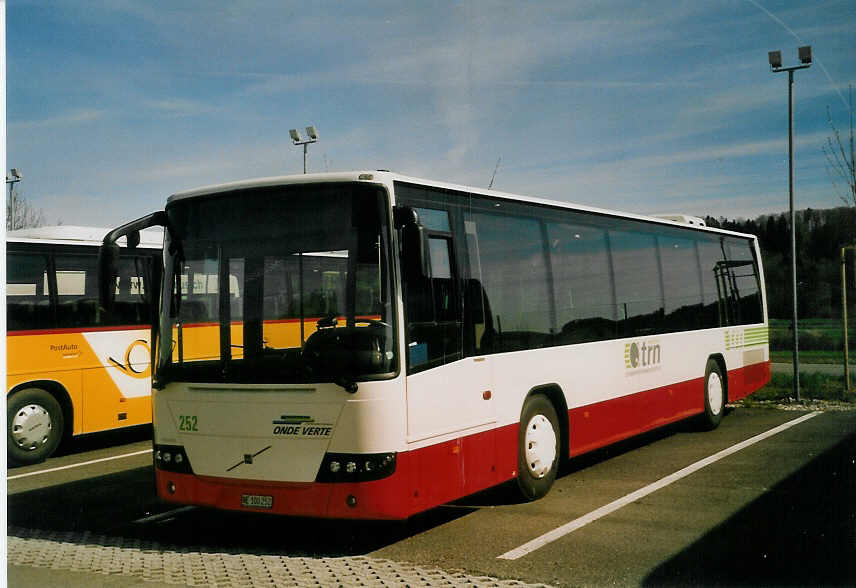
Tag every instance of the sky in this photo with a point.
(647, 107)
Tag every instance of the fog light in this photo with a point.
(351, 500)
(170, 487)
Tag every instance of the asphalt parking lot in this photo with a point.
(766, 499)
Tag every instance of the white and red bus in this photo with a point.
(71, 367)
(389, 344)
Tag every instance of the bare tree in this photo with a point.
(20, 213)
(841, 160)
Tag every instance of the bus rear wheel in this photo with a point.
(34, 426)
(714, 396)
(538, 451)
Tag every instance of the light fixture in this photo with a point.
(775, 58)
(311, 132)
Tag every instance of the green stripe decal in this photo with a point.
(753, 337)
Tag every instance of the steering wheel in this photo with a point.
(329, 320)
(374, 323)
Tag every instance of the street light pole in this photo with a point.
(311, 132)
(13, 177)
(775, 58)
(793, 231)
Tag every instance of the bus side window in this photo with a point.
(743, 284)
(77, 291)
(507, 257)
(681, 283)
(714, 310)
(582, 283)
(133, 305)
(27, 296)
(638, 285)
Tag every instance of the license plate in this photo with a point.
(256, 501)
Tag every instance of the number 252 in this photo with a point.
(187, 423)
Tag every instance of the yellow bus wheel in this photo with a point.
(34, 424)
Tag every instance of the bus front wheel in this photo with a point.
(538, 452)
(714, 396)
(34, 426)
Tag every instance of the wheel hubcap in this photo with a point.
(540, 446)
(31, 427)
(714, 392)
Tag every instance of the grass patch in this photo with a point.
(812, 386)
(810, 356)
(814, 334)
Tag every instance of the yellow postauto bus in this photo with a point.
(72, 367)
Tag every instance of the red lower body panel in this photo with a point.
(597, 425)
(437, 474)
(601, 424)
(742, 382)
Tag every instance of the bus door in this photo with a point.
(446, 392)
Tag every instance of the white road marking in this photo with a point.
(164, 515)
(77, 465)
(601, 512)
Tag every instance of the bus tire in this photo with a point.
(34, 426)
(714, 396)
(538, 447)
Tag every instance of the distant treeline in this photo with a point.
(820, 236)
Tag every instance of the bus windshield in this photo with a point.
(284, 284)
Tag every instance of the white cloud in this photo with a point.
(179, 107)
(76, 117)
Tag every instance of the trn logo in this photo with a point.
(641, 354)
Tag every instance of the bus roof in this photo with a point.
(387, 178)
(682, 218)
(79, 235)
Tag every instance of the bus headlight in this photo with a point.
(356, 467)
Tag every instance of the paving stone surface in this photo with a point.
(150, 561)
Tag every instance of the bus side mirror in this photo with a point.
(109, 254)
(415, 253)
(133, 239)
